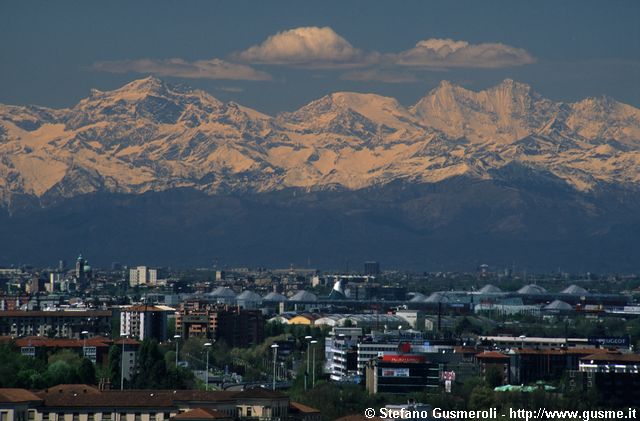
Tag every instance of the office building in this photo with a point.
(142, 275)
(401, 374)
(371, 268)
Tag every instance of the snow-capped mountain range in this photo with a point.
(153, 136)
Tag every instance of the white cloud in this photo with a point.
(234, 89)
(200, 69)
(306, 46)
(445, 53)
(377, 75)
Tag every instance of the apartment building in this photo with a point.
(80, 402)
(55, 323)
(145, 321)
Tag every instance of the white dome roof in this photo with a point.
(223, 292)
(437, 297)
(417, 297)
(490, 289)
(303, 296)
(575, 290)
(532, 289)
(274, 296)
(247, 295)
(558, 305)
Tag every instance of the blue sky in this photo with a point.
(53, 53)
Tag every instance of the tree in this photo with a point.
(151, 370)
(114, 368)
(273, 329)
(192, 349)
(17, 370)
(494, 376)
(481, 398)
(86, 372)
(68, 356)
(60, 372)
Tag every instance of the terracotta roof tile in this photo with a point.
(613, 357)
(58, 313)
(298, 407)
(493, 355)
(202, 414)
(260, 393)
(17, 395)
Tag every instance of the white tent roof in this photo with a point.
(274, 296)
(247, 295)
(437, 297)
(223, 292)
(575, 290)
(532, 289)
(417, 297)
(490, 289)
(303, 296)
(558, 305)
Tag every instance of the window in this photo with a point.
(31, 415)
(76, 416)
(45, 416)
(4, 416)
(248, 411)
(106, 416)
(138, 417)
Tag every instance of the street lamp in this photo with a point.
(275, 356)
(177, 338)
(206, 373)
(306, 373)
(123, 336)
(522, 337)
(313, 381)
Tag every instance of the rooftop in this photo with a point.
(201, 414)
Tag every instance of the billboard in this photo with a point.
(395, 372)
(613, 341)
(403, 358)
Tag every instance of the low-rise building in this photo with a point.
(55, 323)
(95, 349)
(80, 402)
(610, 362)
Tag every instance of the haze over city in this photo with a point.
(319, 211)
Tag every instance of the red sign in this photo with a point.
(404, 347)
(403, 358)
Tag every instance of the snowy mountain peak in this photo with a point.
(149, 135)
(149, 84)
(515, 90)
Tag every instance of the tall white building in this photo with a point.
(142, 275)
(145, 321)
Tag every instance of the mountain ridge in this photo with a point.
(152, 136)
